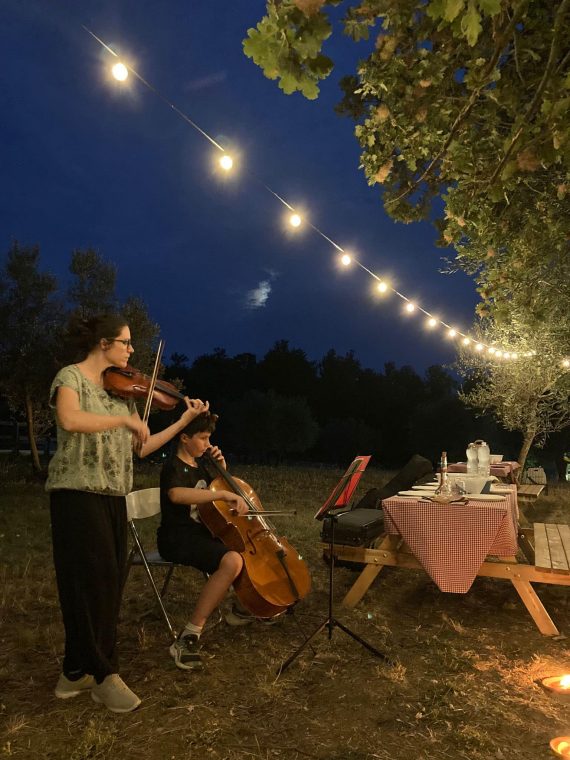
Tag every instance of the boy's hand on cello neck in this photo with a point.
(216, 454)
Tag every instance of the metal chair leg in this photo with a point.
(141, 553)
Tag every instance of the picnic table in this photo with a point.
(451, 542)
(505, 470)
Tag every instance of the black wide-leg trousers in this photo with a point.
(89, 533)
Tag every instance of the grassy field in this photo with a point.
(463, 685)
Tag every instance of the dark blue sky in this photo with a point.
(85, 162)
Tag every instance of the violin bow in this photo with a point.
(153, 380)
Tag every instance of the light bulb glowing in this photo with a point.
(506, 355)
(226, 162)
(514, 356)
(120, 72)
(498, 354)
(566, 363)
(492, 350)
(410, 307)
(479, 347)
(466, 341)
(295, 220)
(452, 333)
(346, 260)
(431, 322)
(382, 287)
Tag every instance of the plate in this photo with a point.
(484, 497)
(425, 487)
(417, 494)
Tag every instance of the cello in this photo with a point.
(274, 576)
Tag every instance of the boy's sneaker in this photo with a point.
(186, 652)
(66, 688)
(114, 693)
(238, 616)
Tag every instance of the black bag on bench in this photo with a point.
(359, 527)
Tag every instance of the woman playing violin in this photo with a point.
(89, 476)
(182, 537)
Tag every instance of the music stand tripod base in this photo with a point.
(331, 622)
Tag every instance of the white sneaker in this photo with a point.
(114, 693)
(66, 688)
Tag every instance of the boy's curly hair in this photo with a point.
(205, 422)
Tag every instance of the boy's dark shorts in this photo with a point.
(191, 544)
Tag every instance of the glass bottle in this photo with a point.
(444, 486)
(483, 458)
(472, 463)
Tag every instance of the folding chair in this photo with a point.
(140, 505)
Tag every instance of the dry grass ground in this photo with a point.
(463, 686)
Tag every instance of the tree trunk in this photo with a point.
(529, 437)
(32, 434)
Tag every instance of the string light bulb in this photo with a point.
(226, 162)
(479, 347)
(295, 220)
(432, 322)
(381, 287)
(120, 72)
(566, 363)
(410, 307)
(466, 341)
(491, 350)
(498, 354)
(345, 260)
(451, 332)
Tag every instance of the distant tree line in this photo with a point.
(286, 406)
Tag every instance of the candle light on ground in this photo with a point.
(561, 746)
(558, 686)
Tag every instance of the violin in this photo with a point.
(130, 383)
(274, 576)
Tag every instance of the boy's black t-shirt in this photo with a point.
(177, 474)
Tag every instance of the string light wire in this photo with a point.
(411, 306)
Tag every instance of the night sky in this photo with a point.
(86, 162)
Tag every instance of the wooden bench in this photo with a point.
(529, 493)
(552, 547)
(545, 547)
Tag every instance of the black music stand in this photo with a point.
(339, 498)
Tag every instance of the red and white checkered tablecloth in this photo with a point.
(451, 541)
(500, 470)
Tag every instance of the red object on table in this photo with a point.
(451, 541)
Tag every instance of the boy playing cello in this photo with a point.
(182, 538)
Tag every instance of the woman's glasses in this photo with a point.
(127, 342)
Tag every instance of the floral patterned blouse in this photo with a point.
(100, 462)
